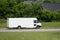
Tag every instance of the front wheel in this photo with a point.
(38, 26)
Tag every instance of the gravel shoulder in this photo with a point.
(28, 30)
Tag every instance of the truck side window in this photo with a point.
(35, 21)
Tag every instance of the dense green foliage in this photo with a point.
(16, 8)
(51, 1)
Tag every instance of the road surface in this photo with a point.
(28, 30)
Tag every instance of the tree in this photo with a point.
(6, 7)
(3, 7)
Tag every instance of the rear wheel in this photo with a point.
(19, 27)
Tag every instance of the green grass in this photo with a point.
(44, 25)
(50, 24)
(30, 36)
(3, 25)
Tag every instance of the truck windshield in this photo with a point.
(35, 21)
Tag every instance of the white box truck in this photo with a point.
(23, 23)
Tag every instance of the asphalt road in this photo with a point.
(28, 30)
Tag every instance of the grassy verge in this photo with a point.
(2, 25)
(30, 36)
(50, 24)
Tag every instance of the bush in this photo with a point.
(46, 15)
(49, 1)
(57, 15)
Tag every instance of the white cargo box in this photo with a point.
(23, 23)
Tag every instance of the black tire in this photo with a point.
(19, 27)
(38, 26)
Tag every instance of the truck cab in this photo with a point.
(37, 24)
